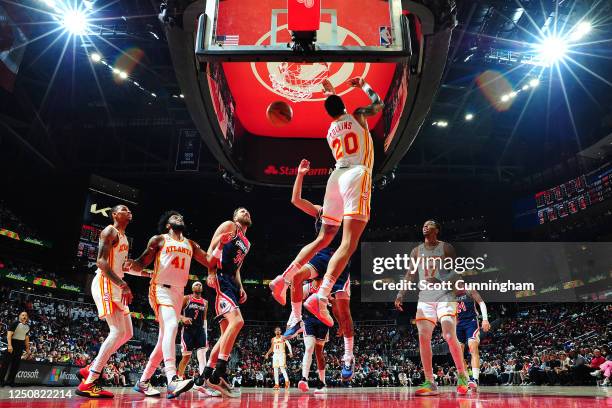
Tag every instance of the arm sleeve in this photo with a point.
(13, 326)
(288, 346)
(483, 310)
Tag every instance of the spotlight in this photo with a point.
(512, 94)
(153, 94)
(442, 123)
(580, 31)
(123, 75)
(182, 96)
(505, 98)
(136, 83)
(75, 22)
(469, 116)
(95, 57)
(552, 49)
(525, 87)
(116, 71)
(534, 82)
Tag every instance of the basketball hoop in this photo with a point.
(298, 81)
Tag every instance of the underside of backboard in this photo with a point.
(368, 30)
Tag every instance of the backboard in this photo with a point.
(258, 30)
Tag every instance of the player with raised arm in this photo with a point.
(279, 358)
(230, 293)
(347, 196)
(468, 329)
(112, 296)
(315, 268)
(172, 252)
(434, 305)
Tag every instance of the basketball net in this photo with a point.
(298, 81)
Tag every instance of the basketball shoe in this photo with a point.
(177, 387)
(303, 385)
(317, 305)
(145, 387)
(462, 384)
(92, 390)
(427, 388)
(279, 286)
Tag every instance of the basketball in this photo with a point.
(279, 113)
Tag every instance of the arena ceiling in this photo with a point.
(67, 113)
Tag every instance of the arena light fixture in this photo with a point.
(505, 98)
(525, 87)
(75, 22)
(123, 75)
(95, 57)
(469, 116)
(552, 50)
(581, 30)
(534, 82)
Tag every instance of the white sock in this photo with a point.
(296, 310)
(325, 288)
(201, 355)
(291, 271)
(348, 349)
(309, 345)
(475, 373)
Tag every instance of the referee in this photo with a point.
(18, 341)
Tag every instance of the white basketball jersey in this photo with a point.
(351, 144)
(278, 346)
(173, 262)
(118, 254)
(430, 260)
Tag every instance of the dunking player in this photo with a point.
(316, 334)
(194, 334)
(347, 196)
(112, 296)
(279, 358)
(227, 283)
(172, 253)
(468, 330)
(316, 267)
(435, 305)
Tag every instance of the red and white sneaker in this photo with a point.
(279, 286)
(317, 305)
(83, 373)
(92, 390)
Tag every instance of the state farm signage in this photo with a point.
(272, 170)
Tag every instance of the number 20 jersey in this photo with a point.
(351, 144)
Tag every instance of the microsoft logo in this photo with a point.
(55, 374)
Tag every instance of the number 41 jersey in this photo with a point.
(173, 262)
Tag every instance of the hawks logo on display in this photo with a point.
(292, 79)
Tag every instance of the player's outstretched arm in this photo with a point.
(289, 347)
(483, 310)
(209, 259)
(269, 350)
(144, 260)
(373, 108)
(296, 195)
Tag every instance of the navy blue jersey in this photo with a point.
(196, 311)
(318, 225)
(466, 308)
(233, 253)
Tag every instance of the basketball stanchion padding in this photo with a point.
(303, 15)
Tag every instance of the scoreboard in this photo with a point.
(564, 200)
(102, 195)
